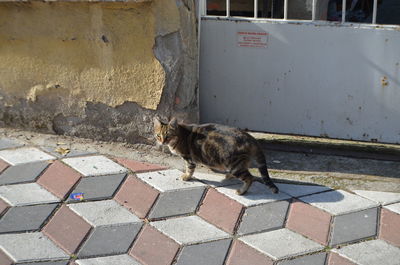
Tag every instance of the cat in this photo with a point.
(219, 147)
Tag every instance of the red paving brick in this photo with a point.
(220, 210)
(59, 179)
(4, 259)
(137, 196)
(139, 167)
(3, 165)
(243, 254)
(390, 227)
(154, 248)
(309, 221)
(67, 229)
(3, 206)
(336, 259)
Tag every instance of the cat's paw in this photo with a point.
(186, 177)
(229, 176)
(240, 192)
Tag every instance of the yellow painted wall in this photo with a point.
(97, 52)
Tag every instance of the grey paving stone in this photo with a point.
(25, 218)
(212, 253)
(9, 143)
(264, 217)
(177, 202)
(371, 252)
(31, 247)
(394, 207)
(60, 262)
(94, 165)
(354, 226)
(26, 194)
(110, 260)
(286, 244)
(315, 259)
(24, 155)
(301, 190)
(22, 173)
(381, 197)
(100, 187)
(109, 240)
(215, 180)
(58, 152)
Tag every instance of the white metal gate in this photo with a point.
(307, 77)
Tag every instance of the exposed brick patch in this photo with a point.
(139, 167)
(243, 254)
(390, 227)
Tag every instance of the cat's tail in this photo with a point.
(262, 167)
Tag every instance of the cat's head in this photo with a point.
(165, 132)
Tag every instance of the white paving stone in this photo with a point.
(106, 212)
(30, 247)
(215, 180)
(257, 194)
(300, 190)
(94, 165)
(189, 230)
(381, 197)
(394, 207)
(281, 244)
(339, 202)
(110, 260)
(24, 155)
(168, 180)
(26, 194)
(371, 252)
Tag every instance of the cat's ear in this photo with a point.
(157, 122)
(173, 123)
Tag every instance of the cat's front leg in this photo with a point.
(190, 166)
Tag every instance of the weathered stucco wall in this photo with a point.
(98, 70)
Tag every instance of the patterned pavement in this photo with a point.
(59, 208)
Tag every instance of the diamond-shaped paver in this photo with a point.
(63, 152)
(242, 253)
(94, 165)
(114, 227)
(177, 197)
(24, 155)
(6, 143)
(390, 224)
(3, 206)
(26, 194)
(383, 198)
(99, 187)
(3, 165)
(257, 210)
(297, 191)
(371, 252)
(282, 244)
(25, 218)
(30, 247)
(139, 167)
(334, 217)
(109, 260)
(215, 180)
(23, 173)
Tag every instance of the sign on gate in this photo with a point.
(252, 39)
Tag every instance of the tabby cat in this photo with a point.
(219, 147)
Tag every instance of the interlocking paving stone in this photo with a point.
(26, 194)
(94, 165)
(24, 155)
(139, 167)
(3, 206)
(242, 253)
(154, 248)
(390, 224)
(25, 218)
(109, 240)
(220, 210)
(63, 152)
(23, 173)
(4, 259)
(371, 252)
(99, 187)
(257, 194)
(30, 247)
(383, 198)
(9, 143)
(286, 244)
(59, 179)
(136, 196)
(106, 212)
(336, 259)
(110, 260)
(61, 262)
(212, 253)
(301, 190)
(189, 230)
(215, 180)
(3, 165)
(67, 229)
(315, 259)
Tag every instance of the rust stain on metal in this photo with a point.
(384, 82)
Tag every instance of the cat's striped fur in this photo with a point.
(219, 147)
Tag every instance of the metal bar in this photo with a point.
(314, 10)
(255, 8)
(375, 11)
(228, 8)
(344, 11)
(285, 10)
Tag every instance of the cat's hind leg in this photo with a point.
(190, 167)
(246, 177)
